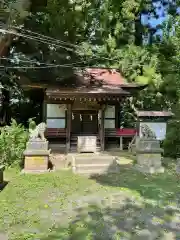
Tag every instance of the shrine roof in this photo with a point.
(104, 90)
(89, 78)
(105, 76)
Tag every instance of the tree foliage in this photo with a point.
(13, 140)
(172, 142)
(140, 38)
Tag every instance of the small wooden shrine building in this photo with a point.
(87, 104)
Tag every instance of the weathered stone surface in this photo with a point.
(38, 132)
(149, 159)
(36, 163)
(59, 161)
(36, 152)
(151, 170)
(178, 166)
(146, 144)
(36, 155)
(92, 164)
(37, 145)
(87, 143)
(3, 236)
(149, 156)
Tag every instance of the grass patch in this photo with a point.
(30, 205)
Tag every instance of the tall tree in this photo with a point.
(10, 13)
(107, 33)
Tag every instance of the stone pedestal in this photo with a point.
(36, 156)
(148, 154)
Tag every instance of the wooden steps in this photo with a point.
(57, 148)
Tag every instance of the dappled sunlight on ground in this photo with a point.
(60, 205)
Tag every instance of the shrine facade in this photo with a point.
(86, 115)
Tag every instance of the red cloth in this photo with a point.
(126, 132)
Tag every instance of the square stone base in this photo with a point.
(151, 170)
(149, 159)
(36, 163)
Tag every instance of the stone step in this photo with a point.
(94, 171)
(74, 149)
(75, 138)
(56, 146)
(97, 162)
(94, 160)
(74, 144)
(58, 160)
(91, 165)
(85, 166)
(75, 141)
(86, 134)
(57, 157)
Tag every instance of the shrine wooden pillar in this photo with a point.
(68, 127)
(118, 122)
(102, 131)
(44, 109)
(117, 115)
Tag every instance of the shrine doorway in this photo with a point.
(84, 122)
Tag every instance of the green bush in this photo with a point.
(13, 140)
(32, 123)
(171, 144)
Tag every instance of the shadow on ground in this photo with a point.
(153, 212)
(122, 220)
(3, 185)
(163, 186)
(124, 154)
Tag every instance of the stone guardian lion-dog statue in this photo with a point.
(38, 132)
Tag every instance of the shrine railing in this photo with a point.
(122, 132)
(55, 133)
(109, 132)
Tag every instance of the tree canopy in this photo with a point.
(140, 38)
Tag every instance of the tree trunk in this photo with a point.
(5, 43)
(138, 31)
(5, 116)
